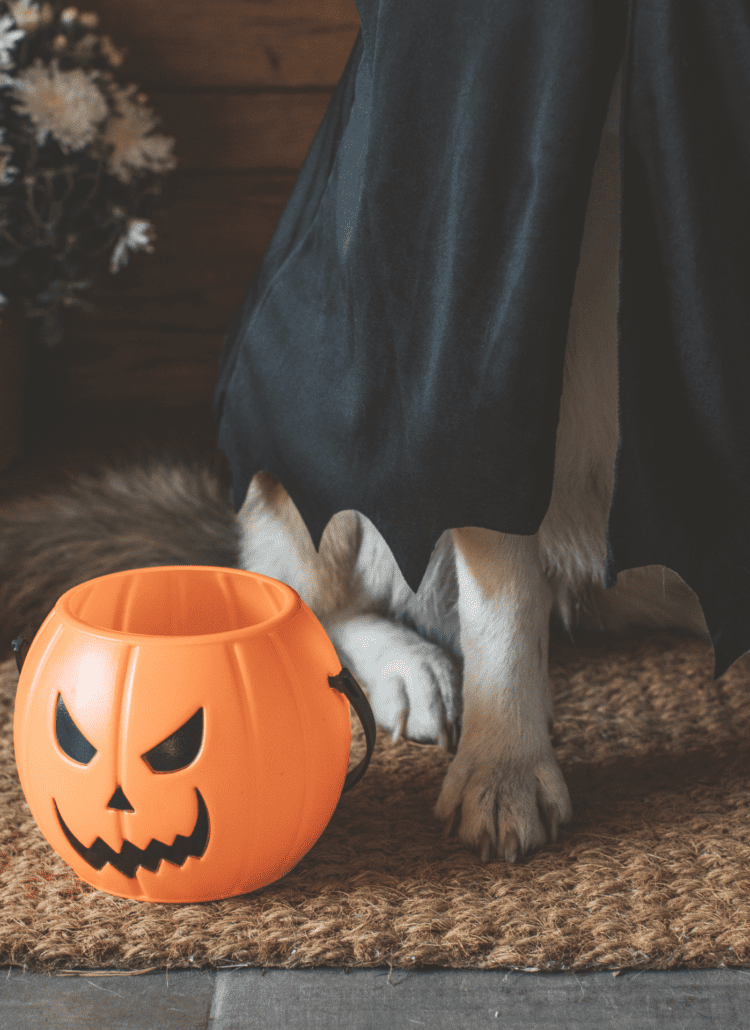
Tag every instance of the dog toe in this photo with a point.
(503, 811)
(412, 685)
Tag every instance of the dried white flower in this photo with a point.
(7, 171)
(8, 39)
(69, 16)
(29, 15)
(86, 43)
(3, 300)
(133, 148)
(109, 50)
(139, 235)
(68, 105)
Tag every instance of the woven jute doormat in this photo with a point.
(653, 872)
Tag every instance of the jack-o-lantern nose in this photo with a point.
(119, 801)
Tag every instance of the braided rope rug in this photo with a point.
(653, 872)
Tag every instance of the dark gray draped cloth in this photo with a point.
(400, 350)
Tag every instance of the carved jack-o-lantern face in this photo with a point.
(176, 735)
(175, 752)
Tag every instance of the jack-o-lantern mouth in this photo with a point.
(130, 857)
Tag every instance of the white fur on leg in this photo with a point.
(412, 684)
(504, 792)
(277, 543)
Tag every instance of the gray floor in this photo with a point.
(374, 999)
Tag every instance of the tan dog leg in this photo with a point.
(504, 792)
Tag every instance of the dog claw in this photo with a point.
(447, 735)
(452, 824)
(552, 819)
(485, 847)
(443, 736)
(400, 731)
(512, 846)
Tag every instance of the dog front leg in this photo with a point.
(504, 793)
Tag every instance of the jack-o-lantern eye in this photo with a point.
(69, 737)
(179, 748)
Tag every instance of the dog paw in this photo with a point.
(503, 810)
(412, 684)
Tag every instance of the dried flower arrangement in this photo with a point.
(80, 164)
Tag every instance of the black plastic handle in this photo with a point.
(20, 658)
(346, 684)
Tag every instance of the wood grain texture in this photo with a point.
(443, 999)
(161, 321)
(242, 85)
(233, 132)
(12, 382)
(235, 44)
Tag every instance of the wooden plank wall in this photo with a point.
(242, 85)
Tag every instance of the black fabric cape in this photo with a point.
(400, 351)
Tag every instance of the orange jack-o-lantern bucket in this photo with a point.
(182, 733)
